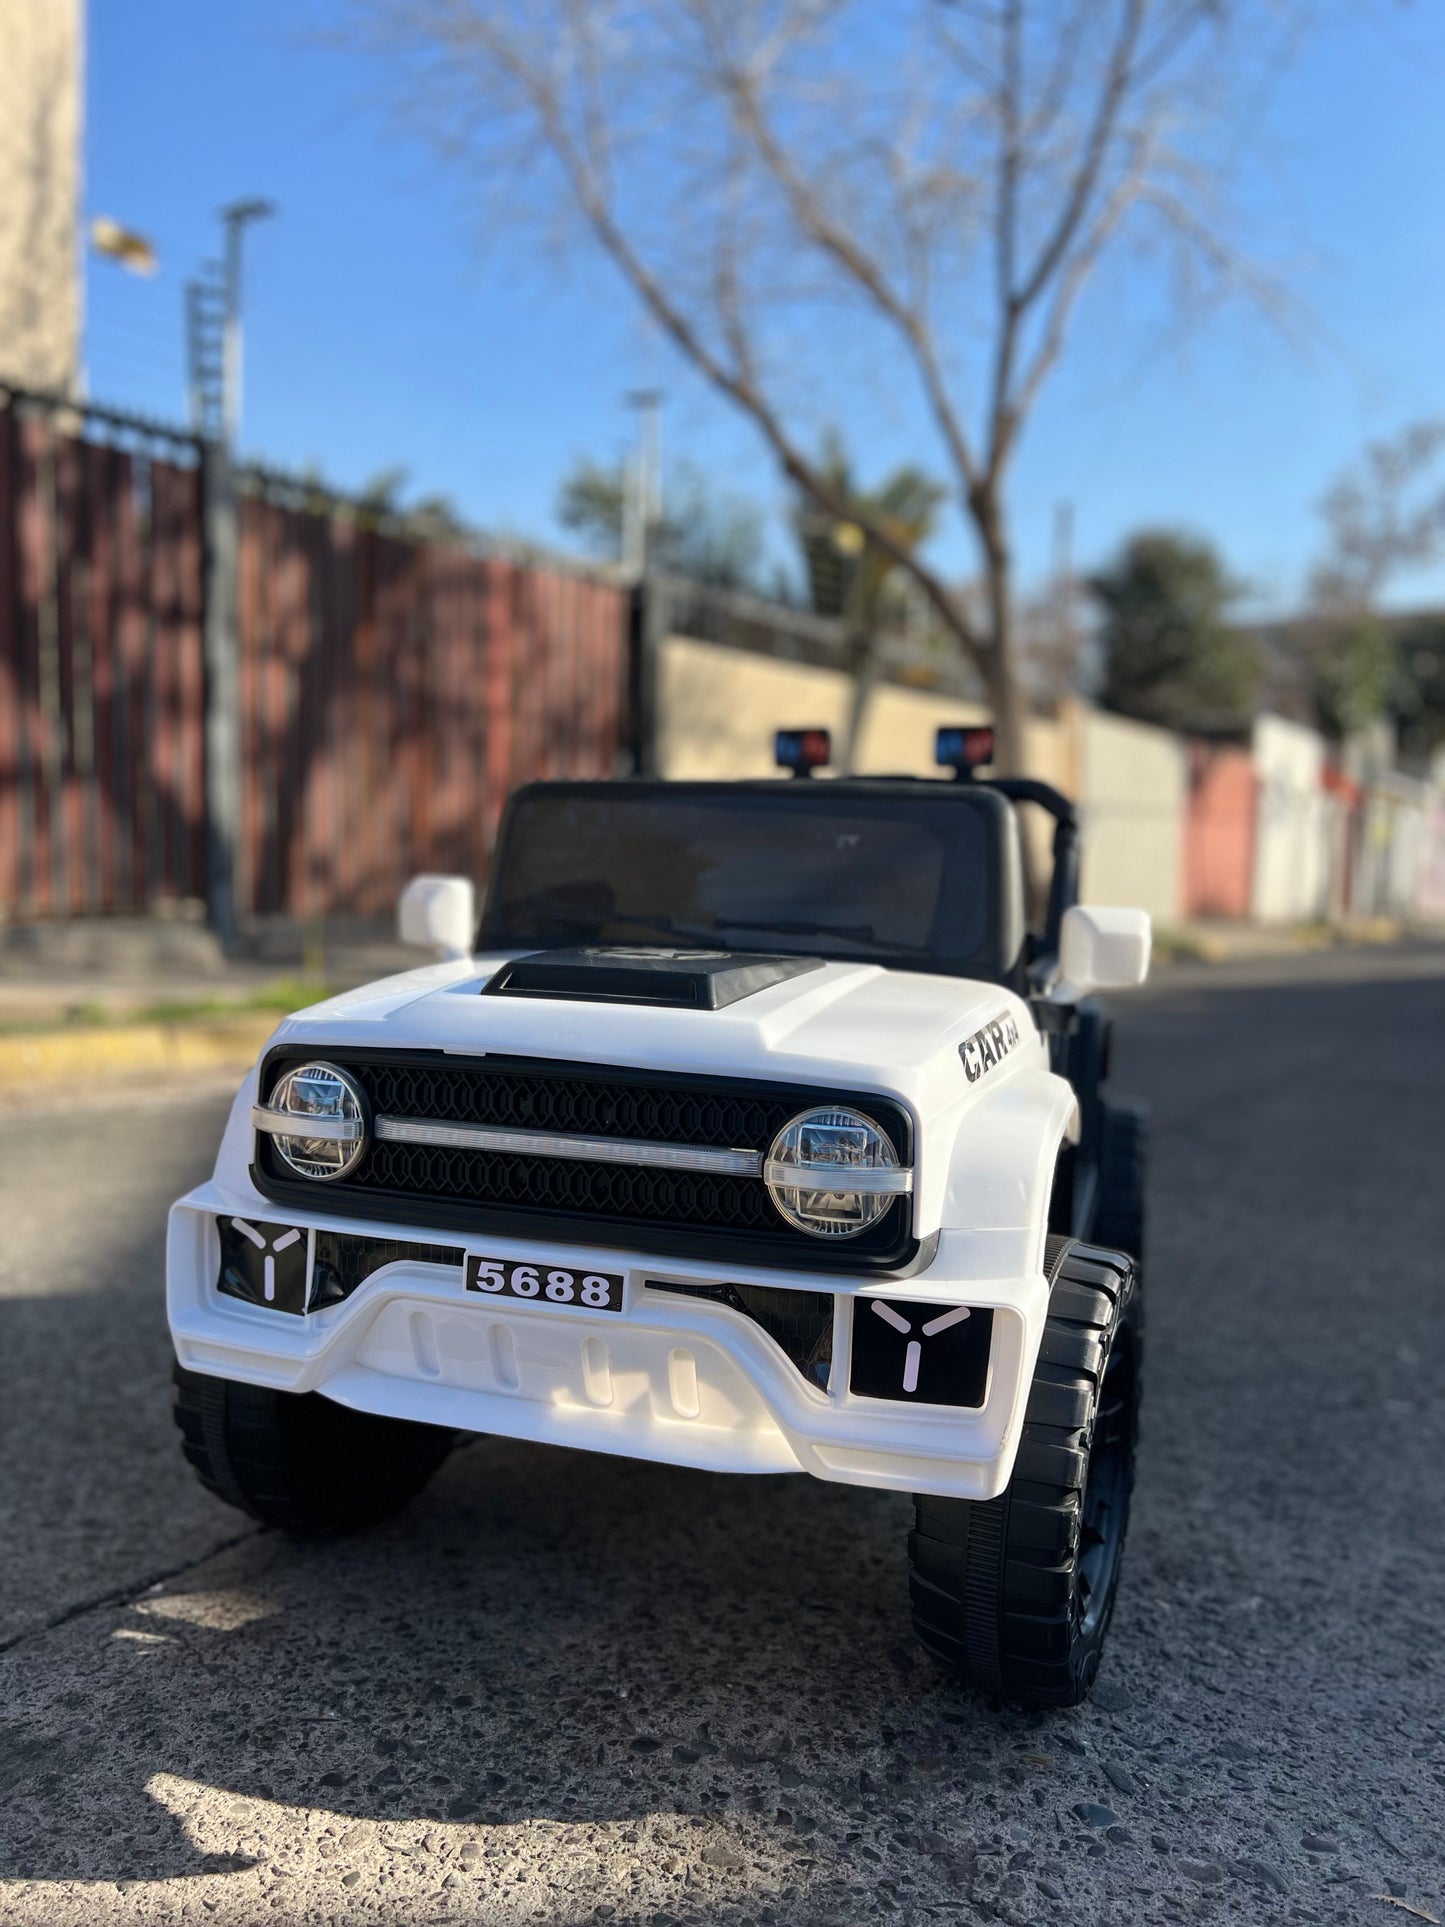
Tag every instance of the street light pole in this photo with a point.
(236, 217)
(218, 418)
(642, 491)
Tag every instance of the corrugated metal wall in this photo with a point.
(391, 691)
(102, 784)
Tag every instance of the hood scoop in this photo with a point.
(618, 974)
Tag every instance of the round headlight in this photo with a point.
(334, 1102)
(832, 1172)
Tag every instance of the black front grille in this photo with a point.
(650, 1209)
(801, 1322)
(581, 1104)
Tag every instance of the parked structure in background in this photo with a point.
(389, 690)
(41, 56)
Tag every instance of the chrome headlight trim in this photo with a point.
(873, 1184)
(344, 1130)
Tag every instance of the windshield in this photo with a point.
(883, 877)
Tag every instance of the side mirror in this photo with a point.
(1101, 950)
(440, 913)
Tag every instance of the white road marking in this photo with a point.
(249, 1231)
(891, 1317)
(936, 1325)
(910, 1365)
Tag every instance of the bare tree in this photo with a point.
(1386, 515)
(803, 194)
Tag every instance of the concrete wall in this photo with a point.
(718, 709)
(40, 123)
(1219, 832)
(1292, 841)
(1133, 791)
(1430, 878)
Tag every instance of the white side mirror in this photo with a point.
(439, 913)
(1101, 950)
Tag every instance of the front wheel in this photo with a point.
(298, 1460)
(1014, 1595)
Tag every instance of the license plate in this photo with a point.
(544, 1284)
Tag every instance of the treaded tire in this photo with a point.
(1014, 1596)
(1119, 1222)
(298, 1460)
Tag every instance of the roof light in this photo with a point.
(964, 750)
(802, 750)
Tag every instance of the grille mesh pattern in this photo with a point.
(582, 1107)
(344, 1261)
(558, 1184)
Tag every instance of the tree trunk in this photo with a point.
(1003, 691)
(1005, 698)
(863, 669)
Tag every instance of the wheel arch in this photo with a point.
(1005, 1157)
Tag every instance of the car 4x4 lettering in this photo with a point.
(988, 1045)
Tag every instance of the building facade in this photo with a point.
(41, 107)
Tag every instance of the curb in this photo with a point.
(105, 1054)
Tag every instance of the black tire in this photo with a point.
(1014, 1596)
(298, 1460)
(1119, 1222)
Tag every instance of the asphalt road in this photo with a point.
(566, 1689)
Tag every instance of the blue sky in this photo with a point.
(385, 328)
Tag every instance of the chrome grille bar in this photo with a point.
(557, 1144)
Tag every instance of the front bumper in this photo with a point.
(680, 1380)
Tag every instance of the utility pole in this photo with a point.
(641, 509)
(213, 317)
(642, 495)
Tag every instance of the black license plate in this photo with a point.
(544, 1284)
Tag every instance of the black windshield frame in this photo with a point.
(997, 955)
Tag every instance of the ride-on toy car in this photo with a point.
(755, 1132)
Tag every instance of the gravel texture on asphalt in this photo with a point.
(567, 1689)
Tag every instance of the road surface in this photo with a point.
(567, 1689)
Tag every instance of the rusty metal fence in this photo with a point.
(391, 690)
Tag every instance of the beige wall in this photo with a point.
(1133, 790)
(40, 122)
(719, 708)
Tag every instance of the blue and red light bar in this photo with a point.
(963, 750)
(802, 750)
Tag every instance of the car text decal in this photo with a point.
(988, 1046)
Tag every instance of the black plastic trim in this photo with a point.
(888, 1249)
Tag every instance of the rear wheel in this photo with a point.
(1123, 1162)
(299, 1460)
(1014, 1595)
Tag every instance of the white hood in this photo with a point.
(856, 1025)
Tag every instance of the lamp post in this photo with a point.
(237, 217)
(216, 405)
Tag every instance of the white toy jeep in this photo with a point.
(757, 1134)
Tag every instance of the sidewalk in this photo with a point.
(125, 1000)
(95, 1001)
(97, 970)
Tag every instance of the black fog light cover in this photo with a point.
(266, 1264)
(920, 1354)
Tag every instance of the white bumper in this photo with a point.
(675, 1379)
